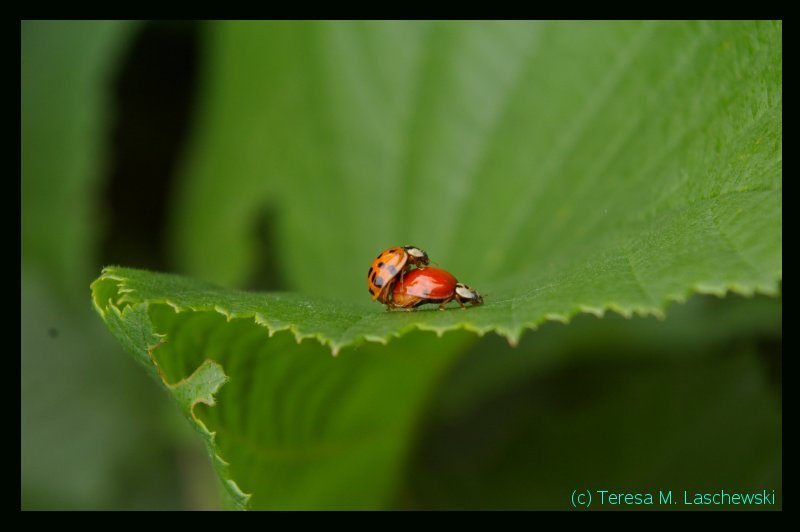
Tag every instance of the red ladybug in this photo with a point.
(388, 265)
(431, 285)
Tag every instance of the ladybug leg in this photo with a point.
(458, 300)
(444, 303)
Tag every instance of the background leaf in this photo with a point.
(636, 405)
(64, 109)
(85, 444)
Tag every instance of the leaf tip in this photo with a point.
(228, 315)
(513, 339)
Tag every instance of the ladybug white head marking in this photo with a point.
(468, 294)
(417, 253)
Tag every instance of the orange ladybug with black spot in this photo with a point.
(390, 265)
(431, 285)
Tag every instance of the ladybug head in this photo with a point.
(468, 294)
(419, 256)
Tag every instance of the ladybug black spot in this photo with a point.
(371, 292)
(369, 271)
(372, 277)
(381, 265)
(379, 255)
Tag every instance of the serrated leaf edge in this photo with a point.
(512, 335)
(206, 395)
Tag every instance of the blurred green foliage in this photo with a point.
(593, 165)
(688, 403)
(95, 432)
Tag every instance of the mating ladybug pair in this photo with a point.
(391, 281)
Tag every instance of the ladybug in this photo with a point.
(431, 285)
(388, 265)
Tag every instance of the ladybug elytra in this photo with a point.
(390, 264)
(431, 285)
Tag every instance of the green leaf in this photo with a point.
(302, 429)
(299, 428)
(558, 167)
